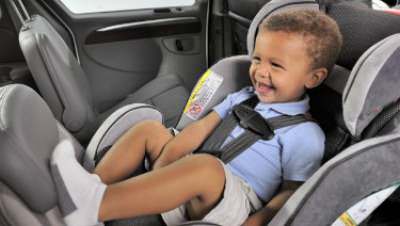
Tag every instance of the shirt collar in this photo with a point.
(287, 108)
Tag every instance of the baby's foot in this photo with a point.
(80, 193)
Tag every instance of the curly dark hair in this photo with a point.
(323, 36)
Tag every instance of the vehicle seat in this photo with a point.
(63, 83)
(29, 133)
(368, 166)
(330, 112)
(352, 18)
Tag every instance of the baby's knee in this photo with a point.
(150, 125)
(149, 128)
(208, 164)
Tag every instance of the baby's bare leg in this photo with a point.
(127, 153)
(197, 177)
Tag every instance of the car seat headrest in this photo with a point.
(28, 134)
(226, 76)
(373, 84)
(273, 7)
(361, 27)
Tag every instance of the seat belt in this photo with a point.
(256, 127)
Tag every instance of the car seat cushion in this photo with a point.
(114, 126)
(373, 84)
(59, 77)
(353, 17)
(352, 175)
(273, 7)
(25, 120)
(15, 212)
(226, 76)
(167, 93)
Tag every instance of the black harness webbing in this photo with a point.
(256, 127)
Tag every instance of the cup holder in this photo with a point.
(5, 74)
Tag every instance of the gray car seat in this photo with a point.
(231, 71)
(29, 132)
(64, 86)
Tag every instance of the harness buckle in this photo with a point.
(252, 120)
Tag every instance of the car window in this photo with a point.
(95, 6)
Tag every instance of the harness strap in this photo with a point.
(256, 127)
(215, 141)
(286, 120)
(237, 146)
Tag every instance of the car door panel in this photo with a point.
(122, 51)
(145, 29)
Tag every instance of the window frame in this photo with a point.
(106, 6)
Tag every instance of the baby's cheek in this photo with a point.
(252, 73)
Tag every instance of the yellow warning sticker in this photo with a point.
(362, 209)
(202, 94)
(347, 220)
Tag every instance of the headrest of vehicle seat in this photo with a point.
(273, 7)
(373, 84)
(226, 76)
(361, 28)
(28, 134)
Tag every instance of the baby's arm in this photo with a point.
(188, 140)
(263, 216)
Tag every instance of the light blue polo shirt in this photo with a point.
(294, 153)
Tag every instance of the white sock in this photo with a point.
(80, 192)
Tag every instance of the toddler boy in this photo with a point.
(294, 51)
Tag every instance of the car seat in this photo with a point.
(29, 132)
(63, 83)
(338, 135)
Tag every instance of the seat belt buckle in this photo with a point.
(251, 120)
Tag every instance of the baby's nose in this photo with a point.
(264, 71)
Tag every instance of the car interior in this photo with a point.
(89, 77)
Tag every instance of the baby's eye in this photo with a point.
(276, 65)
(255, 60)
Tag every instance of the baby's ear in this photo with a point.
(316, 78)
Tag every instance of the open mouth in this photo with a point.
(264, 88)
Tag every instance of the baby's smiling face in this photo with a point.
(281, 70)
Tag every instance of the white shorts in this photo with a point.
(238, 202)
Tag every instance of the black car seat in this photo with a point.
(63, 84)
(29, 133)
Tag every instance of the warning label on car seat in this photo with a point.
(361, 210)
(202, 94)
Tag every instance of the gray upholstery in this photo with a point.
(13, 211)
(58, 75)
(27, 124)
(366, 167)
(373, 84)
(234, 72)
(158, 93)
(63, 83)
(358, 171)
(273, 7)
(29, 133)
(115, 125)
